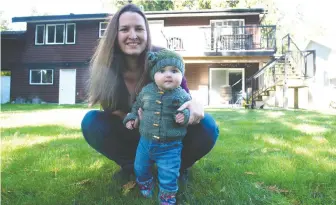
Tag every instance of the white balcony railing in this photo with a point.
(196, 40)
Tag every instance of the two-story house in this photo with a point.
(221, 48)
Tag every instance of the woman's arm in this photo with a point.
(196, 109)
(184, 84)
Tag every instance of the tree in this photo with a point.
(4, 25)
(149, 5)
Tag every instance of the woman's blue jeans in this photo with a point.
(107, 134)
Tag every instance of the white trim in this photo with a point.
(66, 33)
(43, 36)
(156, 22)
(100, 29)
(54, 43)
(149, 16)
(52, 78)
(223, 20)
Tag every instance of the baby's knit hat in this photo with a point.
(163, 58)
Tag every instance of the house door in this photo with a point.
(67, 86)
(5, 89)
(225, 85)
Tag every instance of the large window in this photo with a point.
(41, 76)
(55, 34)
(102, 28)
(227, 34)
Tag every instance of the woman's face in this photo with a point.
(132, 34)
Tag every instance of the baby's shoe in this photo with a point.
(146, 188)
(167, 198)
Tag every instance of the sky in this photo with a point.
(17, 8)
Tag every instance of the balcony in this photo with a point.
(219, 41)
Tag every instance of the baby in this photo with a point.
(162, 127)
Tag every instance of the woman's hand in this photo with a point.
(196, 111)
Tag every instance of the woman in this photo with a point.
(118, 73)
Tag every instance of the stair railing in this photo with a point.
(302, 61)
(266, 77)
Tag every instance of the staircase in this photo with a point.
(291, 69)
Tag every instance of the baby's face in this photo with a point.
(168, 78)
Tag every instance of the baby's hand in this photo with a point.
(179, 118)
(130, 124)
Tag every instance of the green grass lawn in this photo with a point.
(261, 157)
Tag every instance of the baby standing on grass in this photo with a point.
(162, 127)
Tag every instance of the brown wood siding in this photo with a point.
(204, 21)
(82, 76)
(198, 74)
(86, 41)
(11, 52)
(20, 86)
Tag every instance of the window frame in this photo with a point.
(36, 34)
(41, 83)
(100, 29)
(45, 33)
(66, 33)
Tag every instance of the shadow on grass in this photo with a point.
(45, 130)
(62, 171)
(269, 147)
(36, 107)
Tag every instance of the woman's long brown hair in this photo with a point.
(107, 65)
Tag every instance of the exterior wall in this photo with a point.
(20, 86)
(47, 93)
(198, 77)
(198, 74)
(87, 37)
(322, 88)
(11, 52)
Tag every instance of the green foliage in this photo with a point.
(164, 5)
(152, 5)
(3, 22)
(5, 73)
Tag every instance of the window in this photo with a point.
(39, 35)
(227, 34)
(102, 28)
(70, 33)
(55, 34)
(41, 77)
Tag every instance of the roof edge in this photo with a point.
(157, 14)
